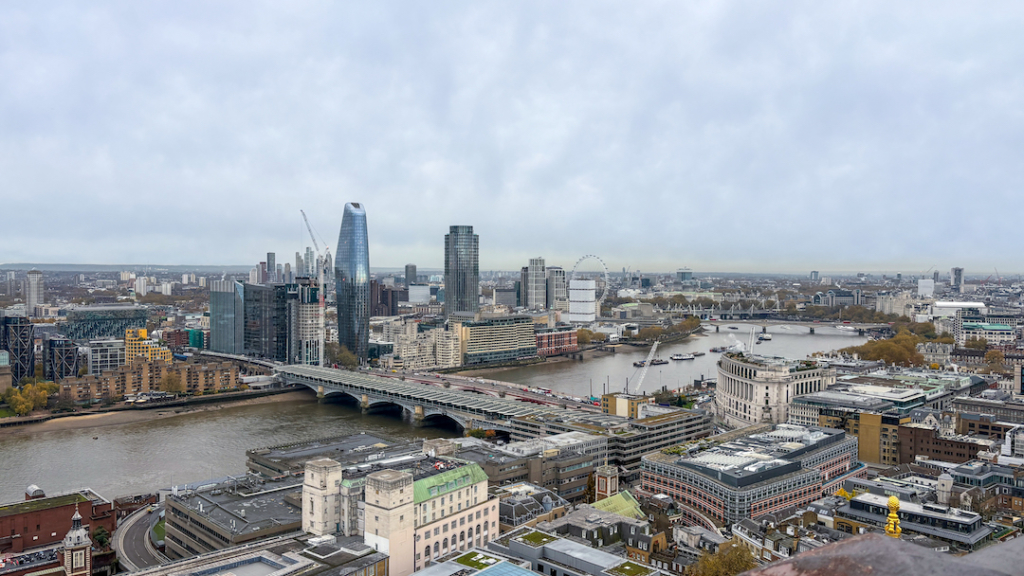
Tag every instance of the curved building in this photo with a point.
(755, 389)
(352, 281)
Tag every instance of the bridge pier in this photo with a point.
(364, 404)
(717, 327)
(860, 331)
(417, 416)
(320, 394)
(764, 329)
(812, 329)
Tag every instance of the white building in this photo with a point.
(582, 301)
(33, 291)
(557, 294)
(321, 497)
(926, 287)
(759, 389)
(141, 286)
(419, 293)
(436, 348)
(536, 284)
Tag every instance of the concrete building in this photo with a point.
(321, 497)
(417, 517)
(535, 285)
(493, 340)
(582, 301)
(410, 274)
(105, 355)
(602, 528)
(34, 291)
(227, 514)
(551, 554)
(961, 528)
(305, 322)
(878, 437)
(623, 404)
(995, 334)
(749, 475)
(143, 377)
(431, 348)
(556, 291)
(759, 389)
(922, 440)
(956, 280)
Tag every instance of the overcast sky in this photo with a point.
(752, 136)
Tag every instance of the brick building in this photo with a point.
(41, 521)
(196, 378)
(554, 341)
(923, 440)
(176, 338)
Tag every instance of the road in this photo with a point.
(131, 541)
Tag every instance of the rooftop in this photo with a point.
(28, 506)
(244, 505)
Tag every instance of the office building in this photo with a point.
(560, 339)
(878, 435)
(461, 270)
(418, 293)
(384, 299)
(535, 284)
(925, 287)
(6, 380)
(60, 358)
(684, 275)
(105, 355)
(506, 297)
(551, 554)
(582, 301)
(759, 389)
(33, 291)
(814, 275)
(227, 317)
(923, 440)
(11, 285)
(17, 338)
(556, 292)
(352, 282)
(963, 529)
(438, 507)
(956, 280)
(410, 274)
(218, 516)
(503, 339)
(300, 265)
(271, 275)
(742, 475)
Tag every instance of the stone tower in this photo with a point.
(77, 551)
(606, 482)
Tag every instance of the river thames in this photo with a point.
(144, 456)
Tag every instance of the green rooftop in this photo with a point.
(477, 560)
(536, 539)
(40, 504)
(629, 569)
(623, 504)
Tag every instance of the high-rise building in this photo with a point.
(141, 286)
(410, 274)
(265, 331)
(17, 338)
(305, 322)
(288, 278)
(310, 261)
(352, 282)
(557, 296)
(33, 291)
(582, 301)
(271, 268)
(956, 280)
(461, 270)
(814, 275)
(227, 317)
(935, 276)
(139, 348)
(60, 359)
(536, 287)
(684, 275)
(300, 265)
(10, 283)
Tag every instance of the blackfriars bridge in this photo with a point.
(424, 402)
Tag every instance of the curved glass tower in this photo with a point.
(352, 282)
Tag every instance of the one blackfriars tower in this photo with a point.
(461, 270)
(352, 281)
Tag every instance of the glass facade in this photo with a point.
(17, 338)
(461, 270)
(352, 282)
(227, 317)
(265, 331)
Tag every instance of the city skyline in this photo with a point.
(730, 138)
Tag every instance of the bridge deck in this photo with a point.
(379, 387)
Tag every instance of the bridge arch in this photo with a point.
(438, 418)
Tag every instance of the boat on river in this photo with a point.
(682, 357)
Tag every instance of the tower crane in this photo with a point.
(322, 261)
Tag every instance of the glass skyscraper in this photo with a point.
(461, 270)
(352, 282)
(227, 317)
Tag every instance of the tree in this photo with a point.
(171, 382)
(476, 433)
(598, 337)
(65, 401)
(335, 353)
(731, 559)
(995, 360)
(583, 336)
(590, 494)
(977, 344)
(101, 537)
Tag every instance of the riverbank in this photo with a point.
(548, 361)
(116, 417)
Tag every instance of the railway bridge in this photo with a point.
(424, 402)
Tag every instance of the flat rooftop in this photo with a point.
(349, 449)
(245, 505)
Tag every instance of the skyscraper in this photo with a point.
(227, 317)
(300, 265)
(33, 291)
(310, 263)
(956, 280)
(271, 268)
(461, 270)
(557, 295)
(352, 282)
(536, 290)
(410, 274)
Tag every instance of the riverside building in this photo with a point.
(758, 389)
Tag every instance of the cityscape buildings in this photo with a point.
(33, 291)
(410, 274)
(227, 317)
(461, 270)
(352, 282)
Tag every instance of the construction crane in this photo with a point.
(321, 262)
(647, 364)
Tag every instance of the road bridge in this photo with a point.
(424, 402)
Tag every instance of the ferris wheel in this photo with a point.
(604, 268)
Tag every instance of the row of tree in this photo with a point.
(32, 396)
(901, 349)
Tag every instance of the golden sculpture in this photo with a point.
(892, 527)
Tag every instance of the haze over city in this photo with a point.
(731, 137)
